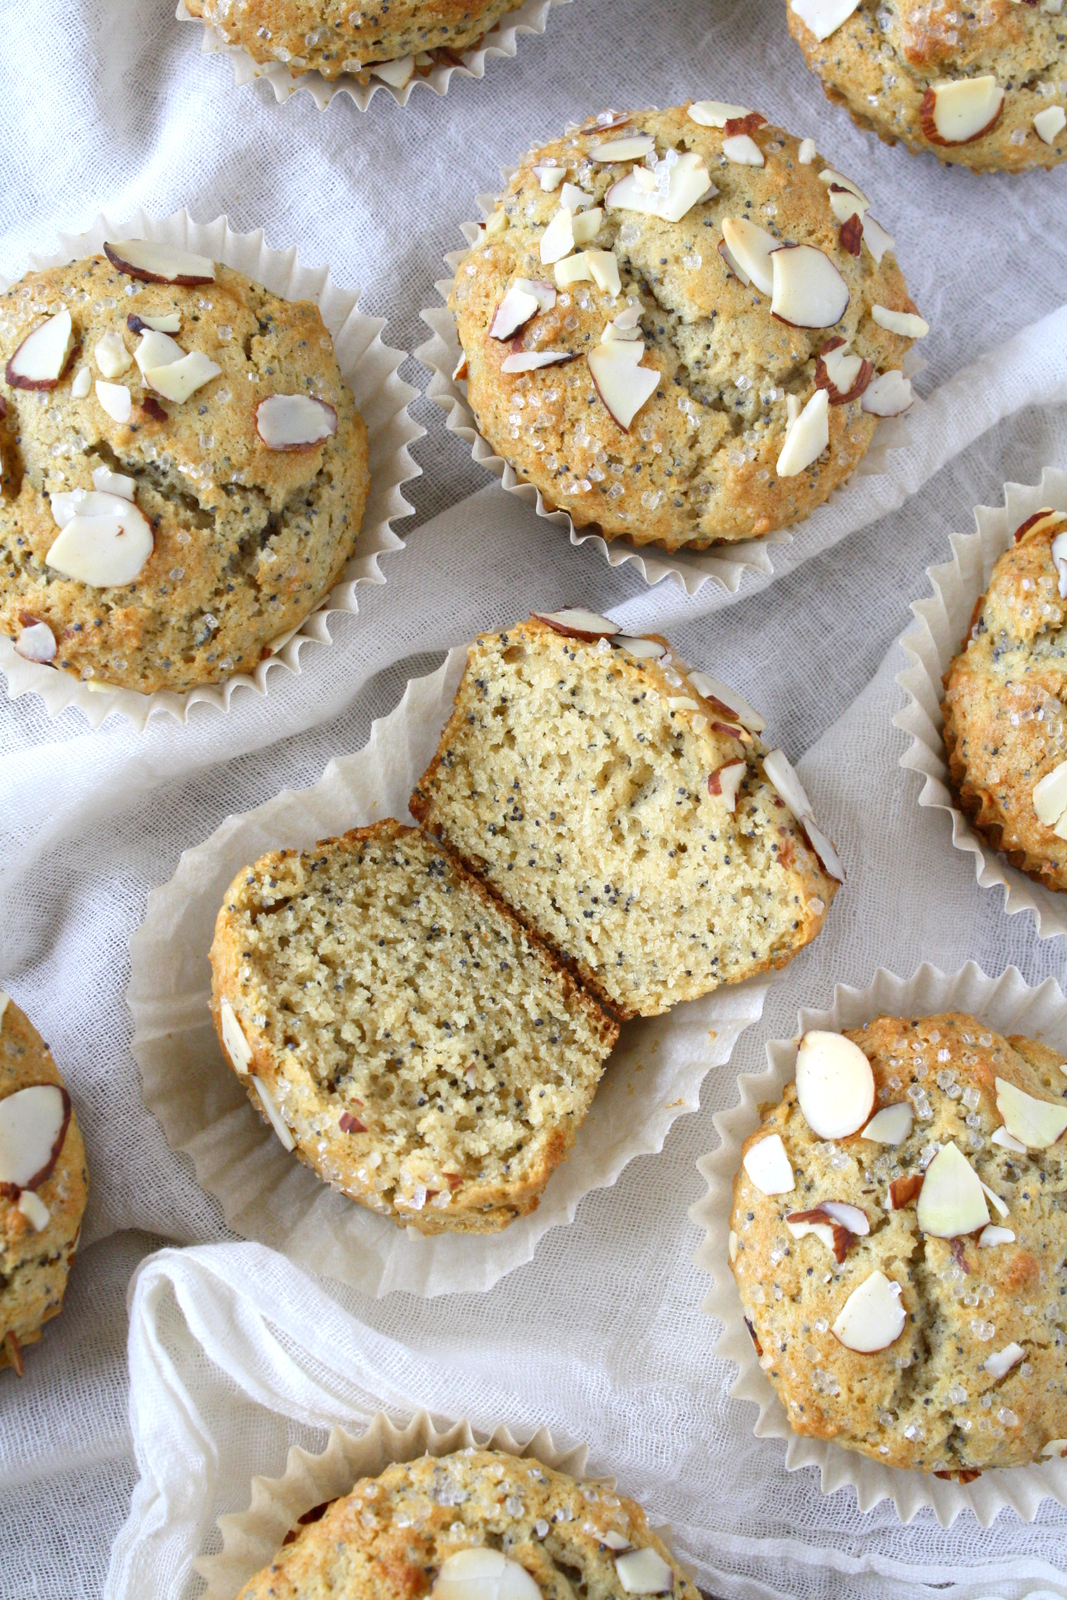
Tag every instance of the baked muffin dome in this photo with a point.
(225, 501)
(903, 1281)
(1005, 722)
(43, 1185)
(333, 37)
(401, 1030)
(642, 260)
(981, 88)
(421, 1526)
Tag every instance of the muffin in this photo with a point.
(398, 39)
(682, 326)
(899, 1237)
(980, 88)
(626, 810)
(1004, 720)
(445, 1527)
(43, 1185)
(184, 471)
(401, 1031)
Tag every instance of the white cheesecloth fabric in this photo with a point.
(234, 1353)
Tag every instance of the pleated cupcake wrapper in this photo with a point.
(251, 1538)
(369, 368)
(1006, 1004)
(723, 564)
(652, 1077)
(943, 621)
(501, 40)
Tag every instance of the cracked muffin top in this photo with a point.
(470, 1526)
(900, 1244)
(328, 36)
(981, 88)
(183, 470)
(1004, 719)
(682, 326)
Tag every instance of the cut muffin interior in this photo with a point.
(402, 1029)
(627, 816)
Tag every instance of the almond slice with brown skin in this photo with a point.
(726, 780)
(835, 1084)
(578, 624)
(841, 373)
(33, 1127)
(951, 1201)
(294, 421)
(872, 1318)
(823, 17)
(888, 395)
(961, 110)
(158, 263)
(41, 358)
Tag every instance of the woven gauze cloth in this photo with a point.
(601, 1336)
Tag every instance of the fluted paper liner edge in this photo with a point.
(501, 40)
(1007, 1004)
(943, 620)
(251, 1538)
(369, 368)
(723, 564)
(652, 1077)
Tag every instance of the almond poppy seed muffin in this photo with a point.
(184, 471)
(422, 1526)
(682, 326)
(1005, 725)
(332, 37)
(43, 1185)
(904, 1283)
(980, 87)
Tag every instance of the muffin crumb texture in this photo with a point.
(624, 812)
(905, 1284)
(1005, 723)
(397, 1025)
(421, 1526)
(682, 326)
(982, 88)
(182, 469)
(43, 1185)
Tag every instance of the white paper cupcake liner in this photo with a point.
(1007, 1004)
(369, 368)
(723, 564)
(501, 40)
(943, 622)
(251, 1538)
(652, 1077)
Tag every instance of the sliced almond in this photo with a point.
(586, 225)
(743, 151)
(167, 322)
(237, 1046)
(832, 179)
(994, 1200)
(634, 148)
(533, 360)
(644, 1572)
(574, 198)
(605, 271)
(818, 1224)
(854, 1218)
(395, 73)
(1059, 558)
(155, 349)
(891, 1125)
(888, 395)
(1037, 1123)
(1050, 123)
(835, 1084)
(875, 237)
(158, 263)
(845, 203)
(806, 438)
(714, 113)
(727, 699)
(1001, 1361)
(1050, 795)
(104, 543)
(622, 386)
(1008, 1141)
(643, 649)
(111, 355)
(726, 780)
(844, 375)
(550, 177)
(903, 1190)
(115, 399)
(481, 1573)
(952, 1202)
(994, 1235)
(180, 379)
(513, 312)
(872, 1318)
(33, 1127)
(579, 624)
(823, 17)
(808, 291)
(107, 482)
(34, 1210)
(908, 324)
(750, 247)
(83, 382)
(689, 183)
(36, 642)
(294, 421)
(782, 774)
(961, 109)
(557, 240)
(806, 152)
(768, 1166)
(273, 1115)
(41, 358)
